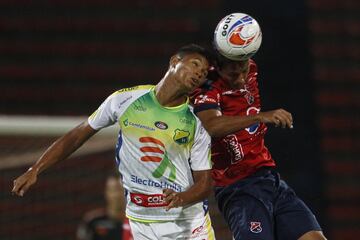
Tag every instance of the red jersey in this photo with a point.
(240, 154)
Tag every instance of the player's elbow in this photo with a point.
(215, 132)
(207, 187)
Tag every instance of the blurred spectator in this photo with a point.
(109, 222)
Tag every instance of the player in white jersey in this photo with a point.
(163, 152)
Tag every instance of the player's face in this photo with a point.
(191, 71)
(235, 73)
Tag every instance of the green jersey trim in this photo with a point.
(172, 109)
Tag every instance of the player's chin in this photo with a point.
(191, 86)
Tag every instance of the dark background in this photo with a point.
(65, 57)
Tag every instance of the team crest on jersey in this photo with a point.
(248, 96)
(255, 227)
(181, 136)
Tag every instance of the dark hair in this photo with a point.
(221, 60)
(194, 48)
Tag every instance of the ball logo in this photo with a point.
(242, 35)
(161, 125)
(255, 227)
(226, 24)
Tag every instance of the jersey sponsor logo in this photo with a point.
(137, 200)
(127, 123)
(255, 227)
(153, 200)
(124, 101)
(181, 136)
(161, 125)
(155, 151)
(234, 148)
(127, 89)
(204, 99)
(253, 128)
(156, 184)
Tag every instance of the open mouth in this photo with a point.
(194, 81)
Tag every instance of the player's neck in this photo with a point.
(168, 94)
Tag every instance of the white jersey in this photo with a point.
(158, 147)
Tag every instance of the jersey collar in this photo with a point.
(172, 109)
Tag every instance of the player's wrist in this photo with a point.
(259, 118)
(34, 170)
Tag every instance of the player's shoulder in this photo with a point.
(130, 92)
(213, 83)
(134, 89)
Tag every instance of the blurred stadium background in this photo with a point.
(61, 58)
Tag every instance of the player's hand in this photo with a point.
(278, 117)
(22, 183)
(172, 198)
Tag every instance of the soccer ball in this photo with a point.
(237, 36)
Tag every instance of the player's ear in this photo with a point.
(174, 60)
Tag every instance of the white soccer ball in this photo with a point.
(237, 36)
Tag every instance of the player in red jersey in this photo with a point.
(255, 202)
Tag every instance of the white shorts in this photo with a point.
(196, 229)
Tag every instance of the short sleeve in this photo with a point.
(200, 153)
(206, 99)
(110, 110)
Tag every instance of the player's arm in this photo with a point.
(196, 193)
(219, 125)
(58, 151)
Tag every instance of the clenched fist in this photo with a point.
(24, 182)
(278, 117)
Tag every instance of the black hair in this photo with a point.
(194, 48)
(221, 60)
